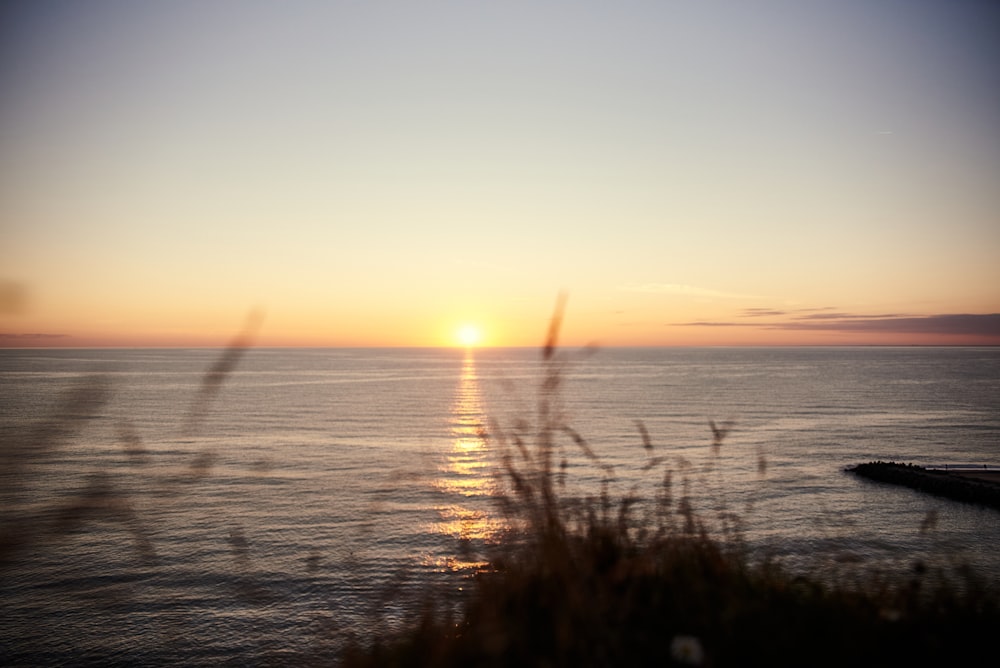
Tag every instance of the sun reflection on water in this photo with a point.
(467, 476)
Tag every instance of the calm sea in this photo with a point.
(178, 506)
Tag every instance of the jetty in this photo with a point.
(978, 484)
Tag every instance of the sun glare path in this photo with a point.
(469, 335)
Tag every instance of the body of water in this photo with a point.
(169, 506)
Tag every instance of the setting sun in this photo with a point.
(469, 335)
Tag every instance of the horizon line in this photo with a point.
(597, 346)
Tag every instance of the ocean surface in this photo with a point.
(244, 507)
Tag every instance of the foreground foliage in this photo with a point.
(600, 598)
(584, 583)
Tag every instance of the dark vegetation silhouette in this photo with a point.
(605, 578)
(957, 485)
(593, 582)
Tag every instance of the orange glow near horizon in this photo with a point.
(579, 334)
(612, 319)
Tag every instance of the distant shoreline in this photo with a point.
(970, 486)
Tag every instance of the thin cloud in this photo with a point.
(712, 323)
(762, 313)
(815, 312)
(949, 324)
(683, 290)
(970, 324)
(849, 316)
(4, 336)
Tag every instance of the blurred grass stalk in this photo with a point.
(28, 522)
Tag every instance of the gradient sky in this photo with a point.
(378, 173)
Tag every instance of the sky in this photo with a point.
(348, 173)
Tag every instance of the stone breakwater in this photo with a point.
(959, 486)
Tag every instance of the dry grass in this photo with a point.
(585, 582)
